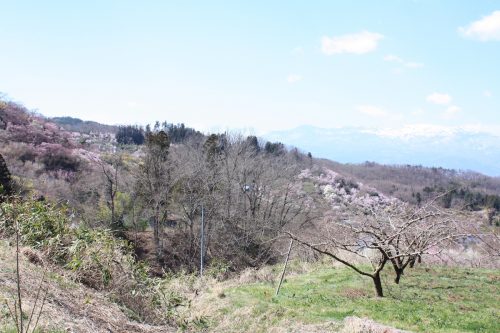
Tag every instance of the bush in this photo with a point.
(97, 257)
(28, 155)
(5, 179)
(60, 160)
(13, 113)
(41, 225)
(94, 256)
(218, 269)
(103, 262)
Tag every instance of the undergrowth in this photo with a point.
(94, 257)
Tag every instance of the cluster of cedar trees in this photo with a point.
(134, 134)
(472, 200)
(462, 197)
(178, 133)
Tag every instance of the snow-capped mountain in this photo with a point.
(464, 148)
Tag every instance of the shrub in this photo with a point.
(94, 256)
(28, 155)
(41, 225)
(104, 262)
(5, 179)
(218, 269)
(97, 257)
(13, 113)
(55, 157)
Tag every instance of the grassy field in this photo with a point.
(428, 300)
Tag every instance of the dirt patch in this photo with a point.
(364, 325)
(455, 298)
(354, 293)
(494, 277)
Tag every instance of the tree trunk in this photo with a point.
(156, 230)
(156, 235)
(191, 238)
(415, 259)
(113, 218)
(378, 284)
(399, 272)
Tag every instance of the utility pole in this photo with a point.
(202, 239)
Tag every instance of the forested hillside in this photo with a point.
(417, 184)
(162, 175)
(138, 213)
(83, 126)
(247, 189)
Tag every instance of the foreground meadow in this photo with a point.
(434, 299)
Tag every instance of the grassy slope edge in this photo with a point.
(436, 299)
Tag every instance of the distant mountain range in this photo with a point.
(84, 126)
(426, 145)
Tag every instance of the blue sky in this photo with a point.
(263, 65)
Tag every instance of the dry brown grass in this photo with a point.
(355, 293)
(364, 325)
(70, 306)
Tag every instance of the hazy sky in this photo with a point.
(265, 65)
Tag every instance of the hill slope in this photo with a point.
(69, 307)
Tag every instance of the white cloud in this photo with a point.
(487, 93)
(485, 29)
(358, 43)
(294, 78)
(438, 98)
(451, 111)
(299, 50)
(372, 111)
(409, 64)
(418, 112)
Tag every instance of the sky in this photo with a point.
(257, 65)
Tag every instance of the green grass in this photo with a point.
(427, 300)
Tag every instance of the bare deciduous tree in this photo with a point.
(398, 235)
(154, 183)
(110, 172)
(249, 196)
